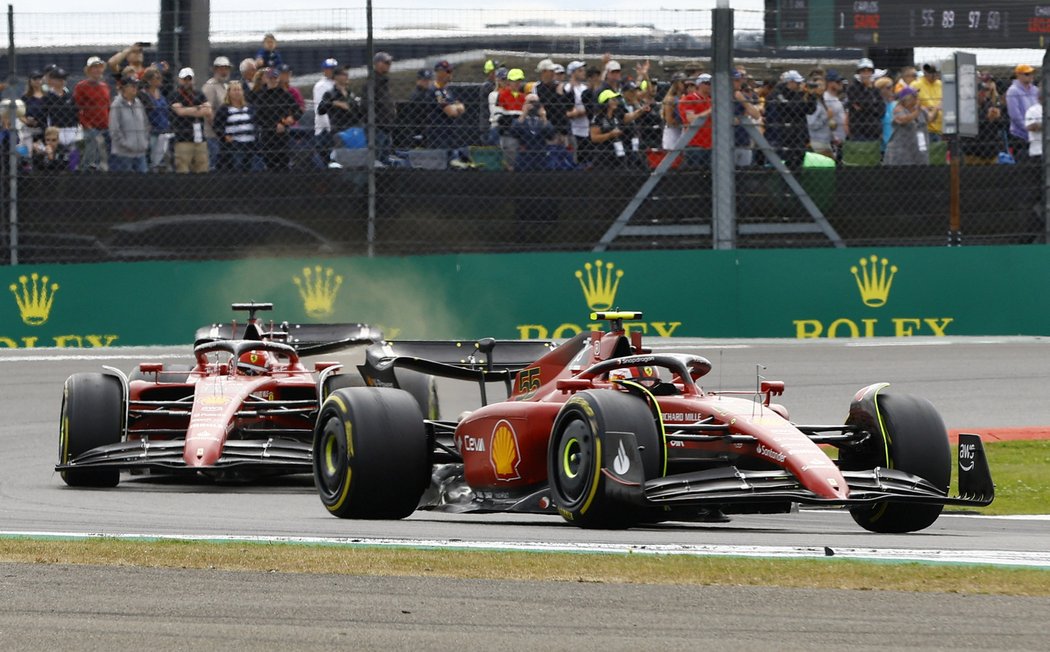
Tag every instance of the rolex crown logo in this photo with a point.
(874, 282)
(318, 288)
(599, 284)
(34, 297)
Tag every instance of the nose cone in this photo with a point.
(201, 450)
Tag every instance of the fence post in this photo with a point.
(723, 232)
(371, 129)
(12, 138)
(1045, 159)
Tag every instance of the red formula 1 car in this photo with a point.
(245, 408)
(608, 434)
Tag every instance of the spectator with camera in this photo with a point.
(532, 130)
(50, 155)
(818, 120)
(909, 142)
(134, 56)
(128, 128)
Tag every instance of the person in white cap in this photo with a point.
(190, 109)
(215, 92)
(91, 95)
(579, 122)
(865, 105)
(553, 99)
(322, 125)
(786, 111)
(611, 76)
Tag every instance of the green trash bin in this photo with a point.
(817, 178)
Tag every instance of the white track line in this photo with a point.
(984, 557)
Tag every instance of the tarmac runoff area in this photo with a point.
(1029, 433)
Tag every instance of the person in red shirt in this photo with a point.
(91, 96)
(509, 102)
(697, 106)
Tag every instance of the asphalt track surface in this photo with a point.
(976, 383)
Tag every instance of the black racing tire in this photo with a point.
(136, 374)
(423, 388)
(371, 458)
(574, 457)
(915, 441)
(92, 416)
(341, 381)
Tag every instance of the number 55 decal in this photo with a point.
(528, 382)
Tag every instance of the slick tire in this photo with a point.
(574, 456)
(341, 381)
(423, 388)
(92, 416)
(370, 453)
(915, 441)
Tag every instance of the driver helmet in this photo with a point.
(638, 374)
(254, 363)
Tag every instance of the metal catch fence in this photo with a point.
(413, 131)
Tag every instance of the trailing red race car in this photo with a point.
(608, 434)
(245, 408)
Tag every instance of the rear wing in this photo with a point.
(306, 339)
(481, 361)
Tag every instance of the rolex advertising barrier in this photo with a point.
(817, 293)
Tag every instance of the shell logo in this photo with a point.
(504, 452)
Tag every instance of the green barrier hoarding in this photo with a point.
(813, 293)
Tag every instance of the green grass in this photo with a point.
(1021, 472)
(827, 573)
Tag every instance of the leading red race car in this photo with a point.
(245, 408)
(608, 434)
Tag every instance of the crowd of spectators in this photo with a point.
(127, 115)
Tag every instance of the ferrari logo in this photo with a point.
(505, 457)
(34, 297)
(318, 288)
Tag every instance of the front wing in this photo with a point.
(731, 485)
(281, 455)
